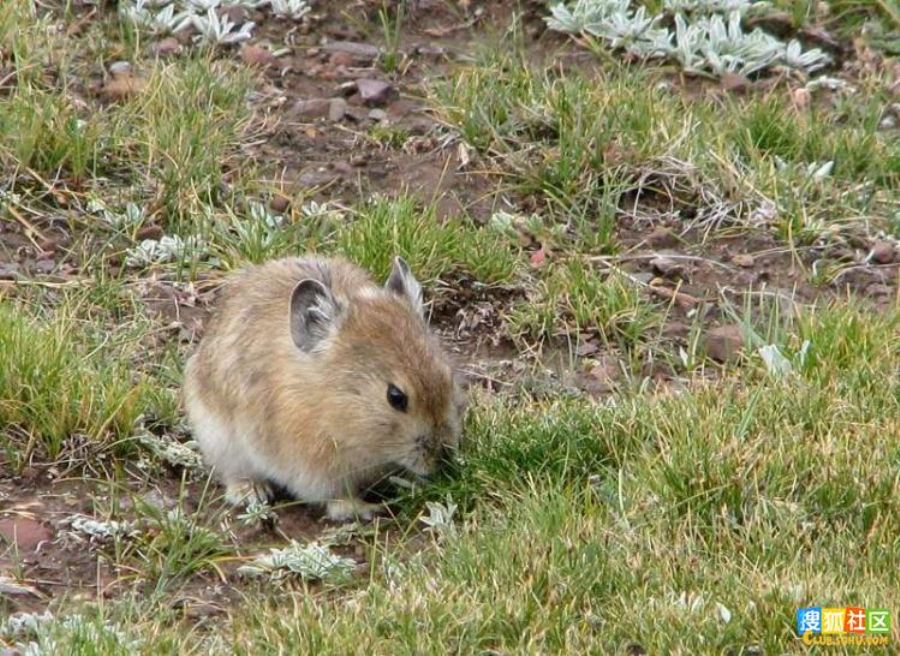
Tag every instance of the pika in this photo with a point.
(314, 378)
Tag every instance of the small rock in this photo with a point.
(235, 13)
(149, 231)
(362, 53)
(156, 500)
(724, 343)
(308, 110)
(734, 82)
(9, 271)
(374, 92)
(676, 330)
(587, 347)
(346, 89)
(279, 203)
(667, 267)
(883, 252)
(166, 47)
(342, 59)
(315, 178)
(10, 588)
(254, 55)
(122, 87)
(643, 277)
(120, 68)
(378, 115)
(337, 109)
(48, 245)
(879, 289)
(357, 114)
(801, 98)
(661, 237)
(27, 534)
(601, 377)
(44, 266)
(887, 123)
(744, 260)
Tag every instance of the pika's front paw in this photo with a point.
(344, 510)
(245, 492)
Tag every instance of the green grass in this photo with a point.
(382, 228)
(573, 298)
(569, 139)
(755, 495)
(62, 374)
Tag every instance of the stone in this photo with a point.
(309, 110)
(734, 82)
(801, 98)
(149, 231)
(374, 92)
(337, 109)
(166, 47)
(883, 252)
(667, 266)
(254, 55)
(743, 260)
(120, 67)
(9, 271)
(26, 534)
(279, 203)
(724, 343)
(661, 237)
(676, 330)
(122, 87)
(362, 54)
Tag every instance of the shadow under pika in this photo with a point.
(386, 492)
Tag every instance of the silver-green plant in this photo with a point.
(708, 36)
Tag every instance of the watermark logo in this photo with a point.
(844, 626)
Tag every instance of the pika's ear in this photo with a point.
(314, 312)
(403, 283)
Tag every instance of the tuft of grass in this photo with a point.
(384, 228)
(572, 298)
(62, 376)
(188, 126)
(569, 139)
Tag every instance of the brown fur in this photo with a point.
(319, 423)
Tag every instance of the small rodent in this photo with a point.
(314, 378)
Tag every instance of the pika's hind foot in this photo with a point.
(245, 492)
(344, 510)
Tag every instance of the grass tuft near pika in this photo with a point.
(316, 379)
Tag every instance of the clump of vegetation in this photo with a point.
(708, 37)
(62, 377)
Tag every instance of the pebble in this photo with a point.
(120, 67)
(724, 343)
(883, 252)
(374, 92)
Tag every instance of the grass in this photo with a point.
(565, 138)
(382, 228)
(54, 385)
(662, 509)
(574, 299)
(689, 516)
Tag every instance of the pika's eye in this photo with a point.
(397, 398)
